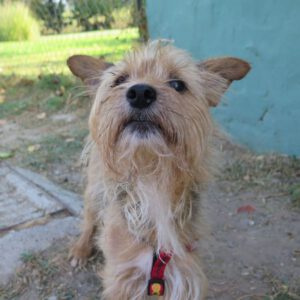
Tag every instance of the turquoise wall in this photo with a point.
(263, 110)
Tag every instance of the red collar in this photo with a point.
(156, 284)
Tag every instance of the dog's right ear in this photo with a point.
(227, 68)
(87, 68)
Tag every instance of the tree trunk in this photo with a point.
(142, 20)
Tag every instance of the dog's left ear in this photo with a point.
(87, 68)
(229, 68)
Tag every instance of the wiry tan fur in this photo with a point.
(143, 193)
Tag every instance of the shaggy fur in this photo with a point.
(144, 187)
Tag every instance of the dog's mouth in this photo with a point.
(143, 125)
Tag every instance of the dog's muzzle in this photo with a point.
(142, 124)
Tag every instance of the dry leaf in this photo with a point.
(246, 209)
(33, 148)
(2, 122)
(41, 116)
(69, 140)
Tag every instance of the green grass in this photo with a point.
(34, 76)
(48, 93)
(56, 149)
(295, 194)
(35, 83)
(49, 53)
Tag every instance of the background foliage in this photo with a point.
(17, 22)
(25, 19)
(83, 15)
(51, 13)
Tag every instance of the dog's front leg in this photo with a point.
(83, 247)
(128, 262)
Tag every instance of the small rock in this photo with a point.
(41, 116)
(246, 177)
(251, 223)
(68, 118)
(57, 172)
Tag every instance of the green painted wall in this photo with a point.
(263, 110)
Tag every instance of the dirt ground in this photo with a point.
(252, 210)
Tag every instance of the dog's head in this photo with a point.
(154, 104)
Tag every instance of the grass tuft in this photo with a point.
(295, 194)
(17, 23)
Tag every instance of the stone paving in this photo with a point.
(33, 213)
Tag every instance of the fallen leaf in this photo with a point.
(246, 177)
(246, 209)
(60, 92)
(41, 116)
(6, 154)
(69, 140)
(33, 148)
(2, 122)
(260, 157)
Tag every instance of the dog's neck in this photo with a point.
(156, 194)
(155, 205)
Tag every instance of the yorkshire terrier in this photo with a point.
(150, 155)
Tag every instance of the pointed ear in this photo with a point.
(87, 68)
(228, 68)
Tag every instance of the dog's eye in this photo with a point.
(177, 85)
(121, 79)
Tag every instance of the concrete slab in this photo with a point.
(25, 196)
(21, 201)
(33, 239)
(71, 201)
(46, 212)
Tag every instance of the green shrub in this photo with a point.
(91, 14)
(122, 17)
(51, 13)
(17, 23)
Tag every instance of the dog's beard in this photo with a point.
(147, 125)
(142, 125)
(142, 150)
(136, 144)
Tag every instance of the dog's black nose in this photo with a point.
(141, 95)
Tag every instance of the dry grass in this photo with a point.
(49, 274)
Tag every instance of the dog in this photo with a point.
(149, 161)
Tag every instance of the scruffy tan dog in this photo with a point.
(149, 160)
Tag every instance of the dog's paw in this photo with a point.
(79, 255)
(77, 262)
